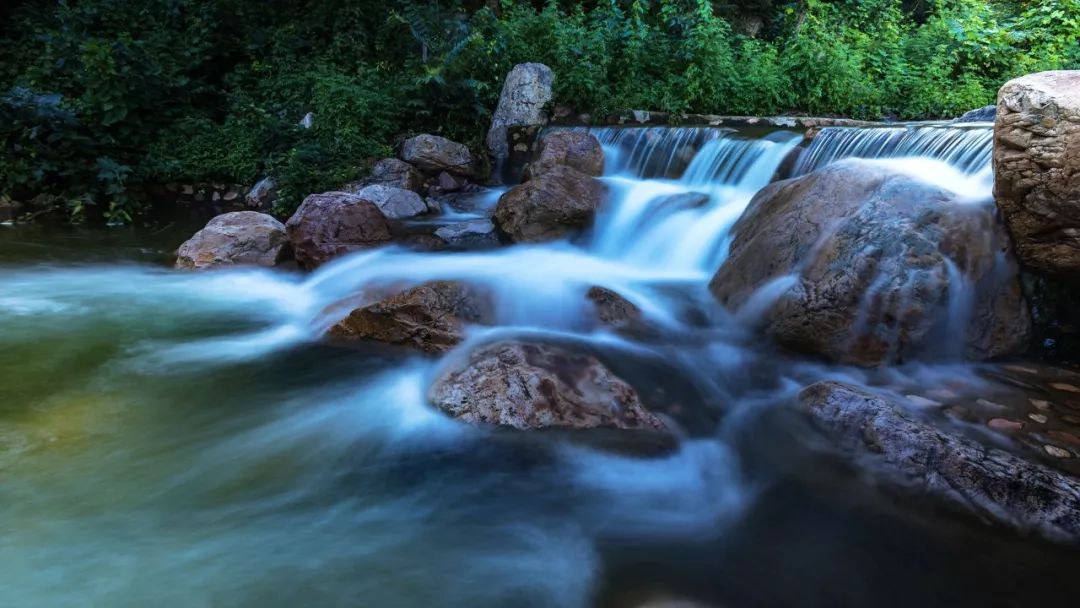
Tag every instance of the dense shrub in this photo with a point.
(97, 96)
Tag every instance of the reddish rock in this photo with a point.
(559, 203)
(536, 386)
(332, 224)
(430, 317)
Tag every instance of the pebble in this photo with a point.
(1002, 424)
(1071, 419)
(1038, 418)
(1063, 436)
(1057, 452)
(1061, 386)
(991, 404)
(918, 401)
(1020, 368)
(1040, 404)
(942, 393)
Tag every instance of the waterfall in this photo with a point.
(966, 147)
(682, 224)
(652, 152)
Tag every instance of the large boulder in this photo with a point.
(1037, 168)
(920, 456)
(537, 386)
(558, 203)
(430, 317)
(576, 149)
(866, 265)
(395, 203)
(396, 173)
(238, 238)
(331, 224)
(434, 154)
(523, 103)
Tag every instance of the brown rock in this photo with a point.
(984, 481)
(556, 204)
(1037, 168)
(331, 224)
(575, 149)
(612, 309)
(536, 386)
(238, 238)
(434, 154)
(431, 317)
(871, 254)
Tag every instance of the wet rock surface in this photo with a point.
(331, 224)
(922, 449)
(868, 265)
(239, 238)
(470, 235)
(614, 310)
(431, 317)
(559, 203)
(1037, 168)
(538, 386)
(576, 149)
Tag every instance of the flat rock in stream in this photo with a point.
(430, 317)
(529, 386)
(985, 481)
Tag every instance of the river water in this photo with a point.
(185, 439)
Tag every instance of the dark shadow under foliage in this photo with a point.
(100, 96)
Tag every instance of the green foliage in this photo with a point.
(100, 96)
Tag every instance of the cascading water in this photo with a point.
(177, 439)
(966, 148)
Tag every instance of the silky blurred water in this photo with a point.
(186, 439)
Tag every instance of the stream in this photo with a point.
(187, 439)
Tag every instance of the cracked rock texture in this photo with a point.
(865, 265)
(430, 317)
(1037, 168)
(988, 482)
(535, 386)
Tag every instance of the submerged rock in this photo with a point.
(612, 309)
(558, 203)
(984, 481)
(331, 224)
(538, 386)
(433, 153)
(395, 203)
(866, 265)
(575, 149)
(238, 238)
(471, 235)
(430, 317)
(525, 95)
(1037, 168)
